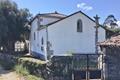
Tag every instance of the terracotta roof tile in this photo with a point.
(113, 41)
(56, 14)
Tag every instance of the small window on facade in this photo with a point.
(42, 41)
(34, 36)
(79, 25)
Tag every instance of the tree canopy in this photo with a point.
(13, 24)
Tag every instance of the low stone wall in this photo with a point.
(34, 66)
(59, 68)
(112, 62)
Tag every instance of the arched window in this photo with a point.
(79, 26)
(42, 41)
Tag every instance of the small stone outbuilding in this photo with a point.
(111, 50)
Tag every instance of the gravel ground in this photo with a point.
(8, 75)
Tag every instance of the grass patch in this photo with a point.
(22, 71)
(32, 77)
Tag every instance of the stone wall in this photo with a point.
(33, 66)
(112, 63)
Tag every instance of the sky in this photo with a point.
(102, 8)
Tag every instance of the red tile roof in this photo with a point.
(55, 14)
(113, 41)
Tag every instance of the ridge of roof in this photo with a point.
(47, 14)
(67, 17)
(53, 13)
(70, 16)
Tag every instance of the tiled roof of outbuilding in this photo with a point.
(113, 41)
(54, 14)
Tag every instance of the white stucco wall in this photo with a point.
(35, 45)
(64, 37)
(47, 20)
(41, 34)
(33, 42)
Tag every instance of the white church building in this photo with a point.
(55, 34)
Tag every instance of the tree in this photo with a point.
(12, 24)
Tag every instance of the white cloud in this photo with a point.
(84, 6)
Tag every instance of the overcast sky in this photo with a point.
(91, 7)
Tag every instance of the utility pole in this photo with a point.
(96, 33)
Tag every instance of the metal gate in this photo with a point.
(77, 67)
(87, 66)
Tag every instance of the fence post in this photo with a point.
(87, 71)
(102, 77)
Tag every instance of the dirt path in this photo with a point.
(8, 75)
